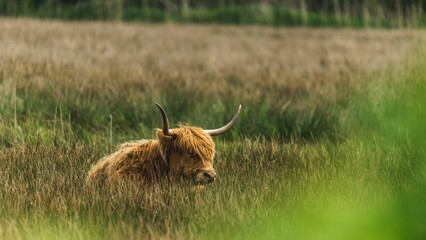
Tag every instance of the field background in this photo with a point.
(328, 145)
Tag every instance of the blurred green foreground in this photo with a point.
(381, 193)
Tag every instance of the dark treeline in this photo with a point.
(314, 5)
(382, 13)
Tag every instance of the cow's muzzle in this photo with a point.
(205, 176)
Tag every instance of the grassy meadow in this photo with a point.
(328, 145)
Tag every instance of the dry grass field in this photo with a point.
(295, 165)
(288, 72)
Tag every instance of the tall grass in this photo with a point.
(318, 152)
(261, 182)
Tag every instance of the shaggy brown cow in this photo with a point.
(186, 152)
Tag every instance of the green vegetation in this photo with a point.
(336, 13)
(329, 144)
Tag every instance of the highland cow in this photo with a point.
(185, 152)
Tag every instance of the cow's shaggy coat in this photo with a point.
(189, 150)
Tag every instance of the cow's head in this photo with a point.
(189, 151)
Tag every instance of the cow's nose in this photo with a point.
(210, 176)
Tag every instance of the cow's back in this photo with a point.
(136, 159)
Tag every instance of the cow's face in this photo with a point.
(189, 153)
(192, 167)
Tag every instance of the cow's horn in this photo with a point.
(219, 131)
(166, 130)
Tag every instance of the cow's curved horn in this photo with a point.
(219, 131)
(166, 130)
